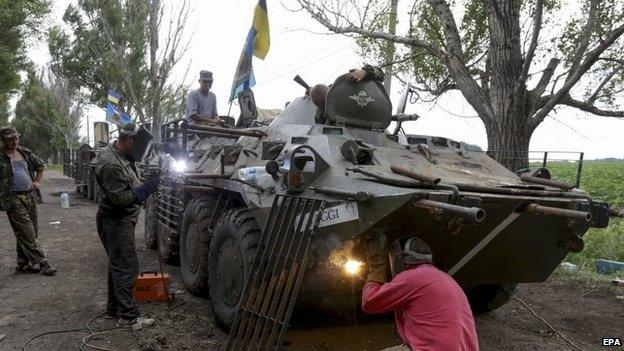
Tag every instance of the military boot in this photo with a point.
(46, 269)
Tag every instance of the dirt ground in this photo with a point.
(30, 304)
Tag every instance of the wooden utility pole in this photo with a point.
(392, 23)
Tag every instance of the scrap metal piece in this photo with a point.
(582, 216)
(276, 274)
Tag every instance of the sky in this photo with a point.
(299, 45)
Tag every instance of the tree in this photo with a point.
(117, 44)
(48, 115)
(514, 61)
(19, 21)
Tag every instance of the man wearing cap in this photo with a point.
(431, 310)
(201, 104)
(119, 206)
(21, 173)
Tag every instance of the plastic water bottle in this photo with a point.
(65, 200)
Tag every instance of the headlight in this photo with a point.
(179, 166)
(353, 267)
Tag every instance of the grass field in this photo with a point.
(604, 181)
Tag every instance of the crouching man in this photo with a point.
(431, 310)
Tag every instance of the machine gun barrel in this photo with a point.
(615, 212)
(301, 82)
(549, 182)
(473, 214)
(560, 212)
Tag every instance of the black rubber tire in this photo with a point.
(195, 245)
(149, 233)
(167, 245)
(488, 297)
(236, 232)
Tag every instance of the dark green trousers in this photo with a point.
(22, 212)
(117, 235)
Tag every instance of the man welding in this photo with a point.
(431, 310)
(119, 206)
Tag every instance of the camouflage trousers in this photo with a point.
(22, 212)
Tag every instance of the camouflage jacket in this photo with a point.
(116, 176)
(6, 170)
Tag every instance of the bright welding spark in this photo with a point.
(353, 267)
(179, 166)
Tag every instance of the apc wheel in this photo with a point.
(232, 249)
(149, 232)
(195, 245)
(488, 297)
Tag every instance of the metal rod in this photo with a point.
(404, 171)
(474, 214)
(549, 182)
(197, 188)
(560, 212)
(206, 176)
(545, 159)
(249, 132)
(579, 170)
(360, 196)
(210, 134)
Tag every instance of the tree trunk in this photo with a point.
(508, 141)
(154, 104)
(390, 49)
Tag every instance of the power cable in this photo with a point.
(548, 324)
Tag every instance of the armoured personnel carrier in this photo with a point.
(488, 227)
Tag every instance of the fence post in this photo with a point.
(545, 159)
(579, 170)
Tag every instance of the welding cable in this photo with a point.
(63, 331)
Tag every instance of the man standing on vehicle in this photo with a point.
(21, 173)
(119, 206)
(431, 310)
(201, 104)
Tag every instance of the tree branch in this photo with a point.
(574, 77)
(546, 76)
(588, 30)
(602, 84)
(587, 107)
(537, 25)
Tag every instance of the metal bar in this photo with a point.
(406, 172)
(309, 232)
(250, 289)
(543, 181)
(559, 212)
(168, 211)
(307, 208)
(210, 134)
(579, 170)
(197, 188)
(168, 220)
(545, 159)
(284, 223)
(360, 196)
(486, 240)
(250, 132)
(281, 268)
(471, 213)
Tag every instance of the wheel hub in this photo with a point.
(192, 247)
(230, 272)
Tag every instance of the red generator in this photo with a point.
(151, 286)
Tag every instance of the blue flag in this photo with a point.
(244, 76)
(115, 116)
(113, 96)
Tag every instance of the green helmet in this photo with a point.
(8, 131)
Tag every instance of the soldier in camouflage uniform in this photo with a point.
(119, 206)
(21, 173)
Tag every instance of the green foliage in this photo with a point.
(44, 118)
(19, 21)
(604, 181)
(89, 54)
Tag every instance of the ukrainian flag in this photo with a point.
(113, 96)
(262, 41)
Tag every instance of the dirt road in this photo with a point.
(31, 303)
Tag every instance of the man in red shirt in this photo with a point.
(431, 310)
